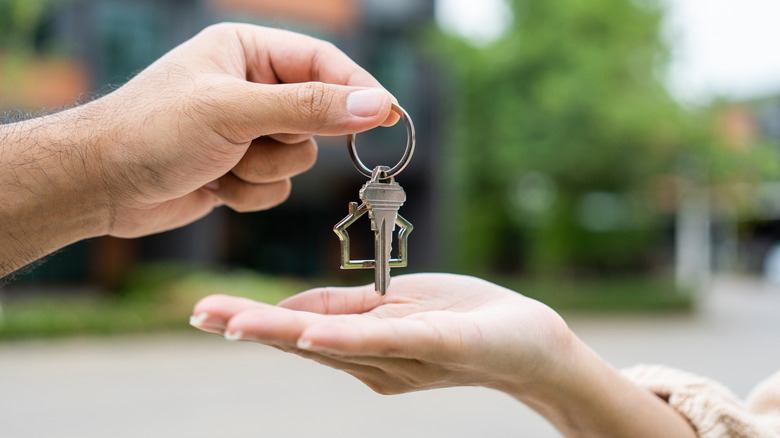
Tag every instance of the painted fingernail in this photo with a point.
(234, 336)
(304, 344)
(214, 185)
(365, 103)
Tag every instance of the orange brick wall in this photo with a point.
(40, 82)
(333, 15)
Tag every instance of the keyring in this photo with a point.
(408, 152)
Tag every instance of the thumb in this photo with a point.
(306, 108)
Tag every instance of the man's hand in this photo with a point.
(233, 109)
(224, 119)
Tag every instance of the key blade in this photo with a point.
(384, 220)
(382, 249)
(383, 201)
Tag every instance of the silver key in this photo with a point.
(383, 199)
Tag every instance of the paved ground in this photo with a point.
(201, 386)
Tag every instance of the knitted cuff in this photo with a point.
(712, 409)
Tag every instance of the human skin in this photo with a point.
(226, 118)
(441, 330)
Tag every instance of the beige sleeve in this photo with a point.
(712, 409)
(765, 401)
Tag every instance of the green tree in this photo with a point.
(562, 129)
(19, 21)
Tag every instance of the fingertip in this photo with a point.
(207, 323)
(391, 119)
(324, 337)
(213, 312)
(207, 303)
(237, 335)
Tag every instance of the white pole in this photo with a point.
(692, 239)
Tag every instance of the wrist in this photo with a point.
(53, 192)
(563, 385)
(584, 396)
(538, 381)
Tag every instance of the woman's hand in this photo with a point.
(439, 330)
(429, 331)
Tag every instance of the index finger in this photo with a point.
(279, 56)
(292, 57)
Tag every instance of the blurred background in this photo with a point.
(608, 153)
(607, 157)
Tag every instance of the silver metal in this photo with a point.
(383, 200)
(382, 197)
(408, 152)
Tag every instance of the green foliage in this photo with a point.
(19, 20)
(160, 297)
(617, 295)
(562, 129)
(156, 297)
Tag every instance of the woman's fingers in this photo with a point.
(269, 324)
(366, 335)
(343, 335)
(212, 313)
(335, 300)
(389, 355)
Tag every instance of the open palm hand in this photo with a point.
(429, 331)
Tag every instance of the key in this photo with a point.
(383, 199)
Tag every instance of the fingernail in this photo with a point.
(198, 320)
(365, 103)
(304, 344)
(214, 185)
(234, 336)
(207, 323)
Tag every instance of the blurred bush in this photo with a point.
(155, 297)
(569, 154)
(36, 70)
(160, 297)
(19, 21)
(633, 295)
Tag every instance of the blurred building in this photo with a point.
(750, 241)
(112, 39)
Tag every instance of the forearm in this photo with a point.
(587, 397)
(51, 186)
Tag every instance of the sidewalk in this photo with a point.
(199, 385)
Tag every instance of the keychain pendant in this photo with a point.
(382, 198)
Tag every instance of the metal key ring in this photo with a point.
(408, 152)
